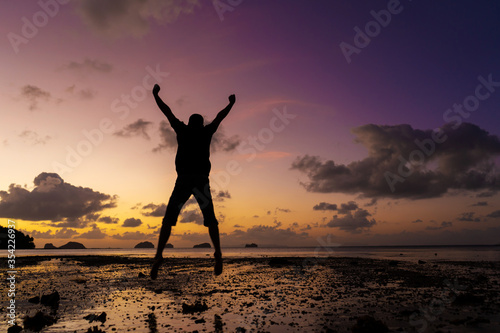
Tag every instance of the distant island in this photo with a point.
(144, 245)
(202, 246)
(251, 245)
(169, 246)
(69, 245)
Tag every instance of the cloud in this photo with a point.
(222, 195)
(220, 142)
(347, 207)
(283, 210)
(133, 235)
(266, 236)
(34, 95)
(95, 233)
(464, 161)
(155, 210)
(443, 225)
(353, 223)
(137, 128)
(495, 214)
(417, 221)
(191, 215)
(468, 217)
(52, 199)
(480, 203)
(486, 194)
(63, 233)
(131, 223)
(325, 206)
(109, 220)
(89, 65)
(121, 18)
(34, 138)
(84, 94)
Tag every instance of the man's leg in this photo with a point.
(213, 231)
(180, 195)
(204, 198)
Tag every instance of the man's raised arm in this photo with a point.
(164, 107)
(223, 113)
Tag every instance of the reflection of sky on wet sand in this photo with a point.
(305, 294)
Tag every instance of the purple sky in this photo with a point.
(332, 99)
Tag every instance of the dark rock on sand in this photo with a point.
(142, 275)
(468, 299)
(49, 246)
(14, 329)
(144, 245)
(279, 262)
(38, 321)
(368, 324)
(51, 299)
(34, 300)
(193, 308)
(93, 317)
(72, 245)
(421, 262)
(202, 246)
(251, 245)
(95, 329)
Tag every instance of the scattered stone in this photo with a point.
(142, 275)
(468, 299)
(200, 321)
(51, 300)
(368, 324)
(38, 321)
(421, 262)
(93, 317)
(279, 262)
(152, 324)
(95, 329)
(218, 324)
(34, 300)
(196, 307)
(14, 329)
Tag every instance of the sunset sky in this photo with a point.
(355, 123)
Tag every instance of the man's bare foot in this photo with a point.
(156, 266)
(218, 264)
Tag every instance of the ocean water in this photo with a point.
(407, 253)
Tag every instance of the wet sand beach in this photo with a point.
(115, 294)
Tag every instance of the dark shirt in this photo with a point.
(193, 150)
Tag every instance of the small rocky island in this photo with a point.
(251, 245)
(202, 246)
(49, 246)
(144, 245)
(72, 245)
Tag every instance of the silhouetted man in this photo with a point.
(192, 164)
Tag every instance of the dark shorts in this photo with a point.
(185, 186)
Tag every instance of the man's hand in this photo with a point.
(232, 99)
(156, 89)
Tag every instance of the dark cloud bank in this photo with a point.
(460, 158)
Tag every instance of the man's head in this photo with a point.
(195, 121)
